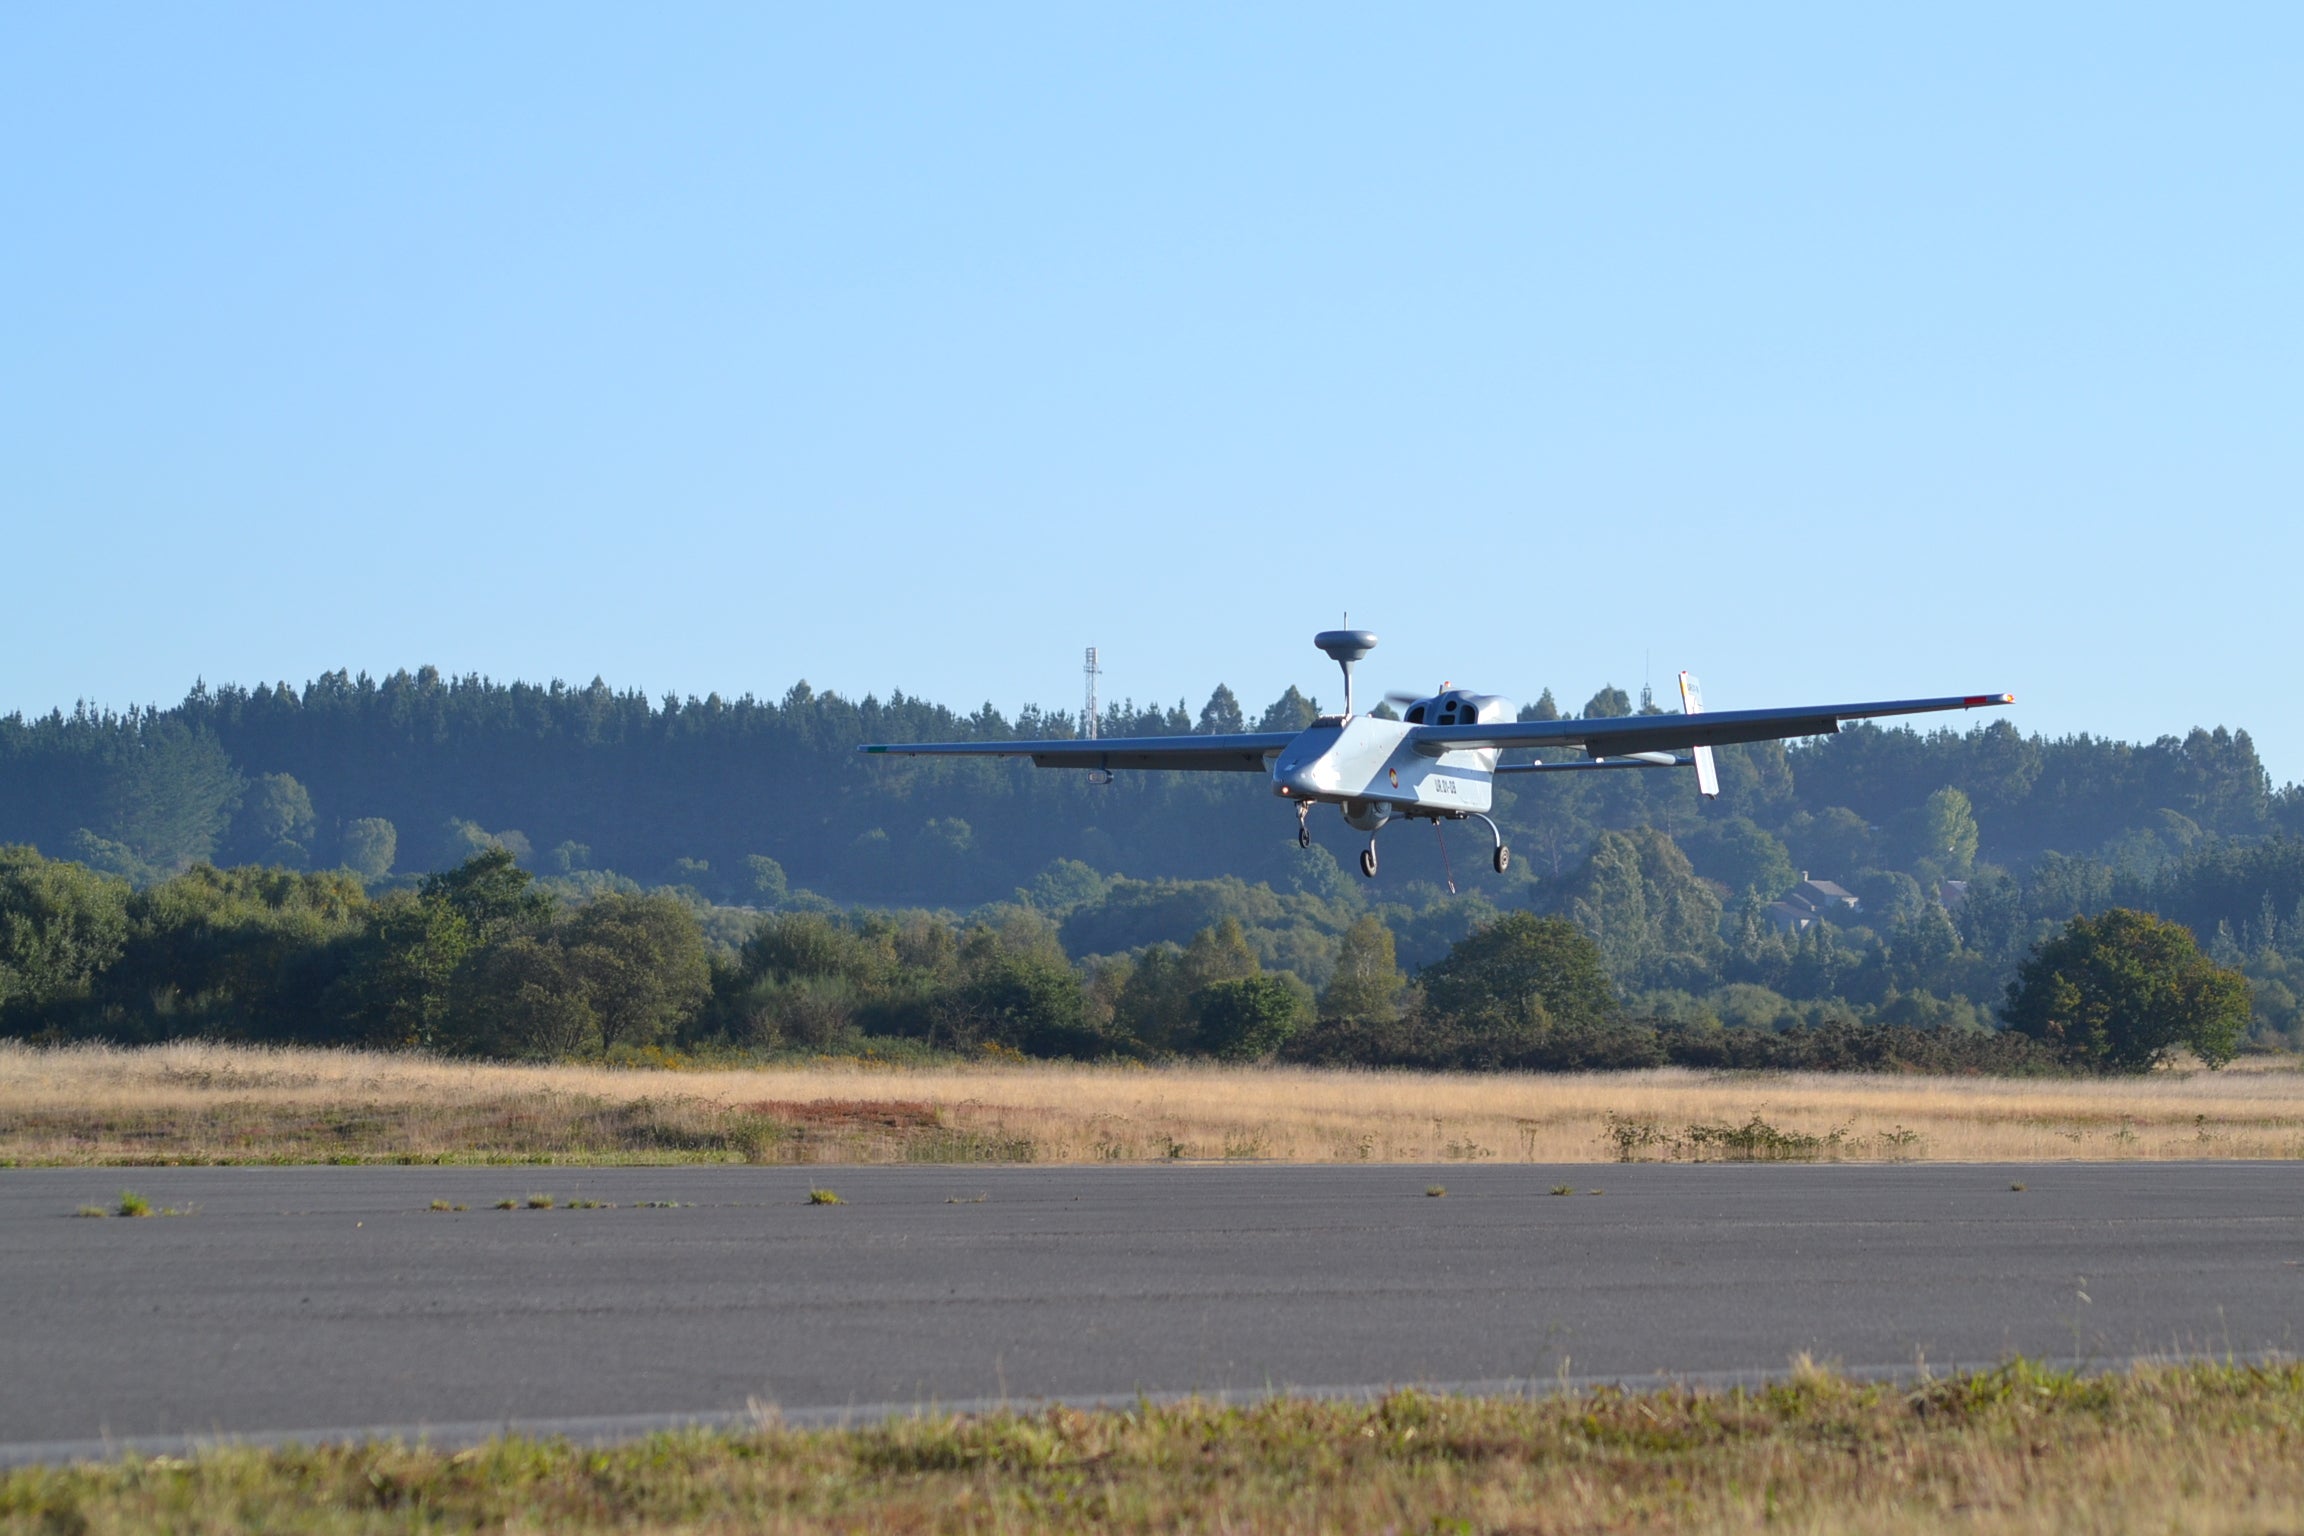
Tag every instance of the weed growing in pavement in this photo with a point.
(92, 1210)
(1563, 1189)
(1437, 1192)
(540, 1202)
(507, 1205)
(133, 1204)
(824, 1197)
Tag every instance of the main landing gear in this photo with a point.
(1501, 859)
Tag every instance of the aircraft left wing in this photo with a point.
(1243, 753)
(1628, 734)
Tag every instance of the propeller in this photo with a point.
(1400, 700)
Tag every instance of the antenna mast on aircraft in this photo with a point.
(1088, 710)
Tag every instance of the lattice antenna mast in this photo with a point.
(1088, 723)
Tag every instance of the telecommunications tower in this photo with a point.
(1088, 710)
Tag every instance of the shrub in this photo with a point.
(1250, 1018)
(2120, 992)
(1518, 971)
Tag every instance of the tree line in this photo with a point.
(411, 773)
(1965, 849)
(483, 959)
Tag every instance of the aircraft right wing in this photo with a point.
(1625, 735)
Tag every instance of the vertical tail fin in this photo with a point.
(1707, 774)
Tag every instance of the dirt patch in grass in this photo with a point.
(2020, 1449)
(847, 1114)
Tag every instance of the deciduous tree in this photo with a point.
(1518, 968)
(1366, 982)
(2120, 992)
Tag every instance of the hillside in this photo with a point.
(1959, 848)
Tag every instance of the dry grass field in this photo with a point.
(211, 1103)
(2011, 1452)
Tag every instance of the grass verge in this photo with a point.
(197, 1103)
(2207, 1448)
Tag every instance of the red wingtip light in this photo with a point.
(1974, 700)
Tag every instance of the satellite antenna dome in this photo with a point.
(1345, 645)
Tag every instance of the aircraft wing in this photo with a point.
(1244, 753)
(1628, 734)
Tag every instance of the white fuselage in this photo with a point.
(1369, 767)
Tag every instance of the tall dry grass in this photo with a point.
(199, 1102)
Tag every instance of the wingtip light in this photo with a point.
(1975, 700)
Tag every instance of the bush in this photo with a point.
(1027, 1004)
(1250, 1018)
(61, 927)
(2121, 992)
(1518, 972)
(642, 962)
(810, 1011)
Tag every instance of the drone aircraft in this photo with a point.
(1440, 760)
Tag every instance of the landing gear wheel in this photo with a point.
(1303, 837)
(1303, 829)
(1368, 861)
(1503, 858)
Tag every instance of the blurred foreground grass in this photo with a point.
(2206, 1448)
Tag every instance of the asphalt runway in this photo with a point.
(323, 1301)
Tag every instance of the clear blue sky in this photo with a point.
(1832, 352)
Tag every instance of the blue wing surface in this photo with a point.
(1671, 733)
